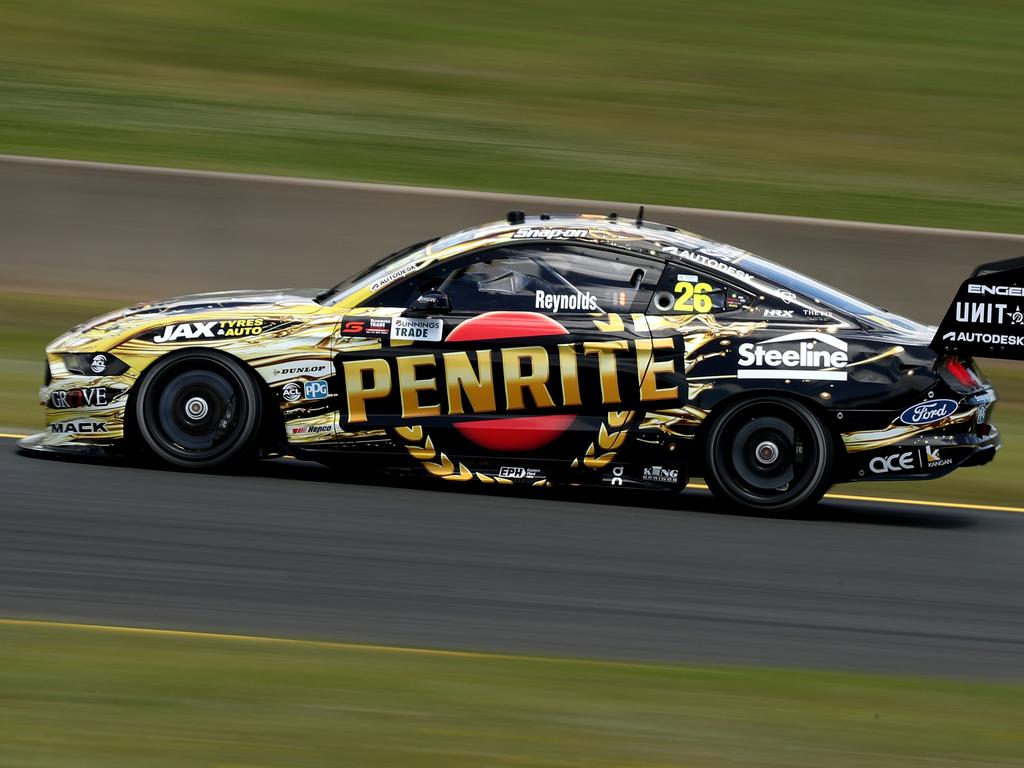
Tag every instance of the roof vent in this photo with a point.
(516, 217)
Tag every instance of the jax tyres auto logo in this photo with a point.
(213, 330)
(509, 383)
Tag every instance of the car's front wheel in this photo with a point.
(199, 410)
(768, 454)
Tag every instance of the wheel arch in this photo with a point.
(271, 428)
(826, 415)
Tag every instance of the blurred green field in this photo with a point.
(885, 110)
(86, 697)
(28, 323)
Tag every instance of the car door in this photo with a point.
(521, 362)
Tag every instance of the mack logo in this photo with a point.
(805, 355)
(88, 397)
(928, 412)
(550, 234)
(414, 329)
(583, 301)
(897, 462)
(79, 428)
(996, 290)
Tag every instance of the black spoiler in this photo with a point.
(986, 319)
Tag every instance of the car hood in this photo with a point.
(117, 325)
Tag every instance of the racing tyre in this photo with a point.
(199, 410)
(768, 454)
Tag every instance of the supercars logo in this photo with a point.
(801, 355)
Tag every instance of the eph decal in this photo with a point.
(212, 329)
(801, 355)
(520, 473)
(583, 301)
(928, 412)
(416, 329)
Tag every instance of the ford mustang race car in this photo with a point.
(551, 349)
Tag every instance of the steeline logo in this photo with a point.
(806, 355)
(928, 412)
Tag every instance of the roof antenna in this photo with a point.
(640, 216)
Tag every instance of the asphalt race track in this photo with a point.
(291, 551)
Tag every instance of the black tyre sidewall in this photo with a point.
(241, 377)
(814, 490)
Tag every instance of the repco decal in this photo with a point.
(510, 382)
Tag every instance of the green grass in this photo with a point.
(886, 110)
(83, 697)
(29, 322)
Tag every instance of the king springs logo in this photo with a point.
(513, 369)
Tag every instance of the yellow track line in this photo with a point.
(906, 502)
(836, 496)
(323, 644)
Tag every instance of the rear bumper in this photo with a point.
(965, 439)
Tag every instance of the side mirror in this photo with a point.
(431, 303)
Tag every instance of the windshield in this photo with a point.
(379, 273)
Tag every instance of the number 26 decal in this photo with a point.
(693, 297)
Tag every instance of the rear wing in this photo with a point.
(986, 319)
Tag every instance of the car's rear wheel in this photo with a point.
(199, 410)
(768, 454)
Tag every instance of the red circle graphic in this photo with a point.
(516, 433)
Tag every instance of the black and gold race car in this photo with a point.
(588, 350)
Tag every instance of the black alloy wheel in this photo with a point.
(199, 410)
(769, 454)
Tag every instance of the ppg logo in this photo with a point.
(315, 390)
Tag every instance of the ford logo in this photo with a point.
(926, 413)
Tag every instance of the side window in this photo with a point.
(685, 291)
(556, 278)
